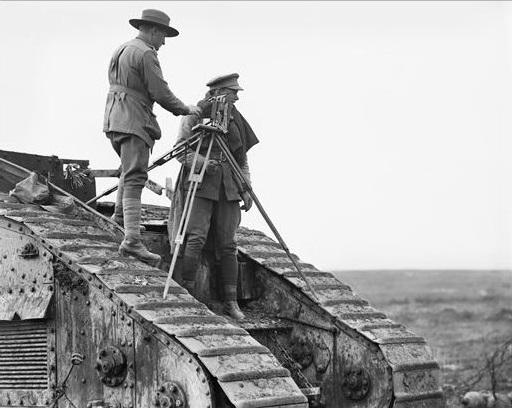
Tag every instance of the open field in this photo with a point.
(463, 314)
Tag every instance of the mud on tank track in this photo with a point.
(246, 371)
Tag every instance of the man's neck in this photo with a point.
(145, 37)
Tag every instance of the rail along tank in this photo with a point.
(82, 327)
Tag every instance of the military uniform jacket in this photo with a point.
(221, 177)
(136, 82)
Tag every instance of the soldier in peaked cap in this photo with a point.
(216, 208)
(136, 82)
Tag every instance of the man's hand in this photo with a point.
(194, 110)
(246, 197)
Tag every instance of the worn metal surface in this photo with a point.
(398, 363)
(114, 301)
(103, 299)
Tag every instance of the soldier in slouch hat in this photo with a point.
(136, 82)
(216, 208)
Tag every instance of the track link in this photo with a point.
(247, 372)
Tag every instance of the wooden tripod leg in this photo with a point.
(195, 180)
(239, 174)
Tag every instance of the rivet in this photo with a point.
(129, 323)
(70, 262)
(203, 380)
(189, 360)
(197, 369)
(167, 342)
(32, 289)
(100, 286)
(110, 295)
(88, 302)
(125, 385)
(34, 280)
(161, 389)
(63, 292)
(5, 256)
(22, 290)
(123, 343)
(130, 365)
(131, 385)
(9, 225)
(113, 312)
(82, 332)
(20, 229)
(52, 348)
(101, 307)
(182, 353)
(130, 344)
(83, 380)
(22, 275)
(122, 317)
(89, 278)
(44, 253)
(207, 392)
(241, 385)
(9, 290)
(75, 297)
(60, 255)
(44, 275)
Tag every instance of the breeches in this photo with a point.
(134, 154)
(223, 217)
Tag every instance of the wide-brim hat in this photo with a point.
(157, 18)
(229, 81)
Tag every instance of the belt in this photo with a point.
(132, 92)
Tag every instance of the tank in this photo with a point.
(82, 327)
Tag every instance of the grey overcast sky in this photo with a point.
(385, 127)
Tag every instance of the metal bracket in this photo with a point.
(170, 395)
(29, 251)
(111, 366)
(356, 383)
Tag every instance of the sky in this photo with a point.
(385, 127)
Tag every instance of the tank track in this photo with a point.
(249, 375)
(415, 374)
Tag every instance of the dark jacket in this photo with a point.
(136, 82)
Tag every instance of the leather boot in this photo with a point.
(119, 220)
(132, 244)
(136, 248)
(231, 307)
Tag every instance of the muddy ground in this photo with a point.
(464, 315)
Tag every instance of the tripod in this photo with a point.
(215, 135)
